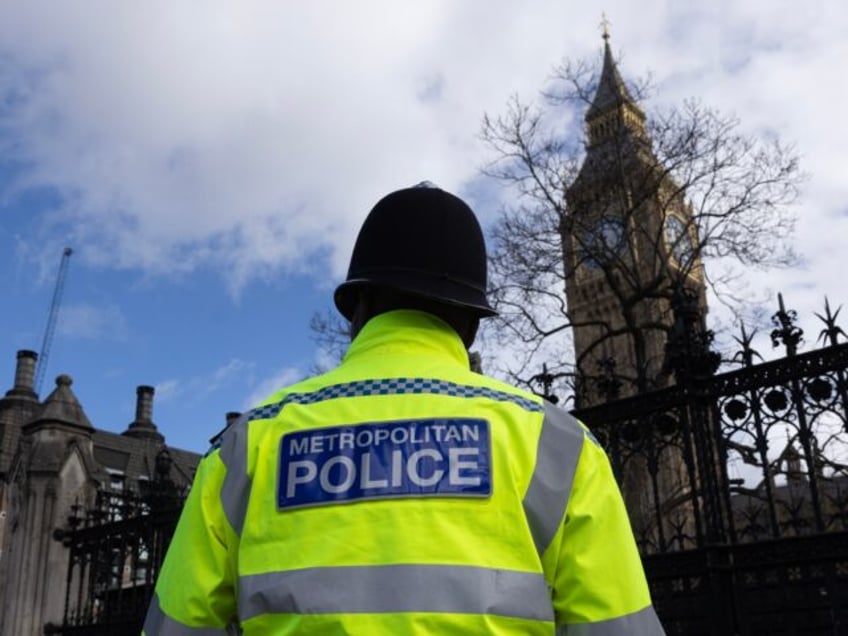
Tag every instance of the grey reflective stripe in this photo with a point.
(560, 443)
(641, 623)
(235, 491)
(157, 623)
(380, 589)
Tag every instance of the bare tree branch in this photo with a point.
(737, 191)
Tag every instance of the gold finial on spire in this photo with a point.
(605, 25)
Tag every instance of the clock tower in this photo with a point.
(630, 245)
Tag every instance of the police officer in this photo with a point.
(401, 493)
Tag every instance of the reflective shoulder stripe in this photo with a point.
(235, 491)
(157, 623)
(392, 386)
(560, 444)
(380, 589)
(643, 623)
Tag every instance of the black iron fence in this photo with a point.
(736, 485)
(737, 489)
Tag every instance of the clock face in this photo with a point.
(610, 234)
(678, 239)
(602, 242)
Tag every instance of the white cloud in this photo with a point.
(234, 372)
(224, 375)
(254, 136)
(250, 135)
(278, 380)
(167, 390)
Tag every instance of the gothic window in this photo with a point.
(116, 479)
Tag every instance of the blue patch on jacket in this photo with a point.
(409, 458)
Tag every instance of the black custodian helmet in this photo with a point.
(422, 241)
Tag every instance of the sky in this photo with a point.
(210, 163)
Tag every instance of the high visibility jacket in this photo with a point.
(402, 493)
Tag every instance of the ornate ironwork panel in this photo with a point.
(737, 489)
(115, 547)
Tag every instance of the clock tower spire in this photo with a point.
(613, 106)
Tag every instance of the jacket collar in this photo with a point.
(408, 332)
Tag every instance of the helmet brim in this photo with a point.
(445, 291)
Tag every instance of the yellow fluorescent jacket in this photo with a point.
(499, 513)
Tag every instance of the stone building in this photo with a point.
(51, 459)
(630, 241)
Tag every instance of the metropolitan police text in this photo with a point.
(444, 456)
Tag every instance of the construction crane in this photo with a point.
(52, 318)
